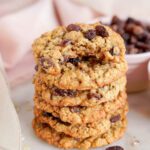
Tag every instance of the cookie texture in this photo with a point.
(83, 115)
(45, 132)
(98, 76)
(60, 97)
(80, 130)
(62, 49)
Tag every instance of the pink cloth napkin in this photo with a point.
(22, 25)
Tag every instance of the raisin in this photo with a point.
(73, 27)
(63, 93)
(75, 109)
(46, 62)
(73, 60)
(90, 34)
(101, 31)
(94, 95)
(115, 118)
(36, 67)
(65, 42)
(115, 148)
(47, 114)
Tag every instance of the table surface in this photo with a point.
(137, 136)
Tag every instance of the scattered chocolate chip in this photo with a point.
(65, 42)
(115, 148)
(63, 93)
(90, 34)
(74, 61)
(101, 31)
(114, 119)
(73, 27)
(94, 95)
(75, 109)
(36, 67)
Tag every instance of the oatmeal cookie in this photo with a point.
(61, 97)
(45, 132)
(77, 46)
(79, 79)
(80, 130)
(82, 114)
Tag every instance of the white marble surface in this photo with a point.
(137, 136)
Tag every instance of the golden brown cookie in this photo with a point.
(80, 130)
(82, 115)
(45, 132)
(61, 97)
(77, 45)
(80, 79)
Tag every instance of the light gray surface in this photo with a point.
(137, 136)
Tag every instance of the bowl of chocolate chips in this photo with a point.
(136, 35)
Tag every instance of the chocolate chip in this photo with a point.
(116, 20)
(135, 34)
(75, 109)
(36, 67)
(115, 148)
(63, 93)
(101, 31)
(74, 61)
(47, 114)
(113, 52)
(94, 95)
(134, 21)
(65, 42)
(46, 62)
(131, 49)
(143, 46)
(73, 27)
(114, 119)
(90, 34)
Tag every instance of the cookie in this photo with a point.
(80, 130)
(77, 46)
(84, 79)
(45, 132)
(60, 97)
(82, 115)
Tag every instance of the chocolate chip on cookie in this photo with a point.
(74, 61)
(46, 62)
(65, 42)
(73, 27)
(90, 34)
(101, 31)
(115, 118)
(61, 92)
(36, 67)
(75, 109)
(94, 96)
(46, 114)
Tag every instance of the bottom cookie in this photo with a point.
(45, 132)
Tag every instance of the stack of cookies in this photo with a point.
(80, 98)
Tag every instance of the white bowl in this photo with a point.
(138, 74)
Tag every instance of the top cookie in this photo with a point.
(77, 44)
